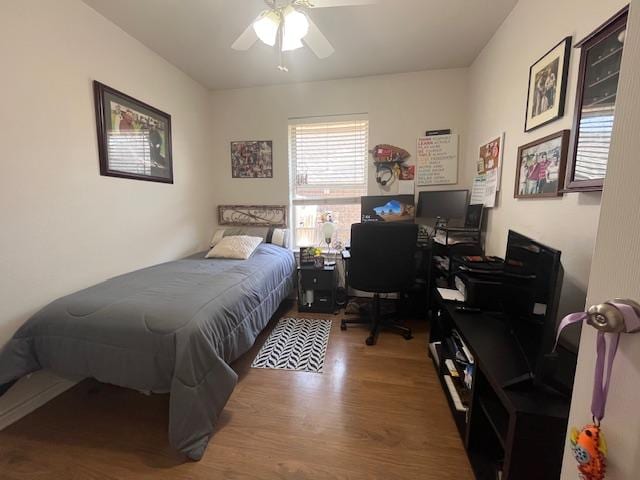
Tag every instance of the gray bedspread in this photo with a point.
(174, 328)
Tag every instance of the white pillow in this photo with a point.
(276, 236)
(238, 247)
(280, 237)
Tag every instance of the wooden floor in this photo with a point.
(375, 413)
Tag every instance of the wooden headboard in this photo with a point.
(253, 215)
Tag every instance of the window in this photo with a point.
(328, 165)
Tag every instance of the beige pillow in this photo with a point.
(276, 236)
(239, 247)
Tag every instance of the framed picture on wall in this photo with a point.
(134, 139)
(548, 86)
(541, 166)
(252, 159)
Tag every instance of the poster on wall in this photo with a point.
(488, 172)
(437, 160)
(252, 159)
(134, 139)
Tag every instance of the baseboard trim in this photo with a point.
(30, 394)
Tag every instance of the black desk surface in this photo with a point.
(498, 356)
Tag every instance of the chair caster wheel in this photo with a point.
(407, 336)
(370, 341)
(343, 326)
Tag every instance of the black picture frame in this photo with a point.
(562, 53)
(139, 148)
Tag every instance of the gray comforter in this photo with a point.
(172, 328)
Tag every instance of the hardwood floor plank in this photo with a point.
(375, 412)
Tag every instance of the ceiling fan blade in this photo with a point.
(339, 3)
(246, 39)
(317, 42)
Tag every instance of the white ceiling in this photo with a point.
(391, 36)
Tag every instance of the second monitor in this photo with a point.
(449, 205)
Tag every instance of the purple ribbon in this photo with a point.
(605, 350)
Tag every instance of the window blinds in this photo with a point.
(596, 125)
(129, 151)
(328, 160)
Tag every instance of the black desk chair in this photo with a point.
(382, 261)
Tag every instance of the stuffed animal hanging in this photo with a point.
(610, 319)
(590, 451)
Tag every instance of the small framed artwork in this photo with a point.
(541, 166)
(548, 86)
(252, 159)
(134, 139)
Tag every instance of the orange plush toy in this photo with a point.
(590, 450)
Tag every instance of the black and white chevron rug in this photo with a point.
(295, 344)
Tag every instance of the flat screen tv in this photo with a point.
(449, 205)
(388, 208)
(532, 282)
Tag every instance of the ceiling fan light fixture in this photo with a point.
(266, 28)
(296, 26)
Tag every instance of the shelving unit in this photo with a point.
(439, 362)
(501, 427)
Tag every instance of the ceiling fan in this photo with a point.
(286, 24)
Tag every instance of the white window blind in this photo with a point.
(594, 142)
(328, 164)
(329, 159)
(129, 151)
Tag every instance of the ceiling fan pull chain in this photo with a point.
(281, 66)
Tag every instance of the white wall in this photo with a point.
(62, 225)
(400, 109)
(616, 273)
(498, 94)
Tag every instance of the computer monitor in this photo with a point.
(449, 205)
(387, 208)
(532, 282)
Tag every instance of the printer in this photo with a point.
(479, 280)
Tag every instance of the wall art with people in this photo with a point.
(541, 166)
(548, 86)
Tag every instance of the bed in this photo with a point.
(171, 328)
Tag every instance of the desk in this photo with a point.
(503, 428)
